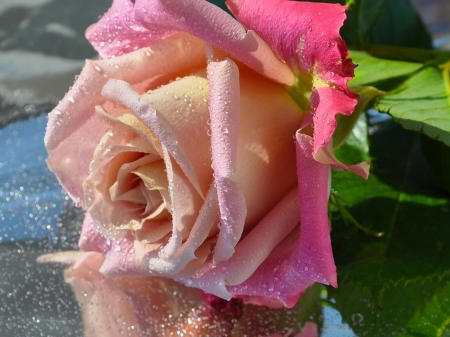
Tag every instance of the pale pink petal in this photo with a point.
(122, 92)
(233, 210)
(69, 154)
(213, 25)
(186, 204)
(277, 224)
(120, 31)
(224, 105)
(279, 277)
(101, 185)
(90, 237)
(120, 256)
(187, 252)
(129, 26)
(183, 104)
(122, 259)
(268, 120)
(74, 128)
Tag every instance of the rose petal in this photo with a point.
(187, 252)
(125, 188)
(278, 223)
(74, 128)
(66, 257)
(128, 27)
(184, 105)
(309, 330)
(127, 146)
(304, 257)
(215, 26)
(327, 102)
(315, 254)
(120, 255)
(304, 34)
(307, 38)
(121, 258)
(224, 105)
(121, 92)
(278, 277)
(268, 120)
(185, 205)
(110, 214)
(233, 211)
(90, 237)
(325, 155)
(119, 31)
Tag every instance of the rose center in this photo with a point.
(141, 187)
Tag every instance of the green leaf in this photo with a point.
(371, 69)
(434, 320)
(382, 22)
(421, 104)
(355, 149)
(399, 200)
(386, 283)
(346, 123)
(438, 157)
(385, 22)
(413, 309)
(398, 25)
(221, 4)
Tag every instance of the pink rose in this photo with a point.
(199, 143)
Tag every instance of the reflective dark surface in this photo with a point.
(42, 48)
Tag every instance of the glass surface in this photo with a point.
(42, 48)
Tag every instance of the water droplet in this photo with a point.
(357, 318)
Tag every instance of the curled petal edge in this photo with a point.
(224, 108)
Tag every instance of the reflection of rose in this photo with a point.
(154, 306)
(181, 146)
